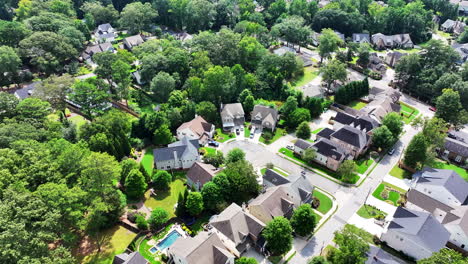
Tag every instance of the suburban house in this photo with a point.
(451, 26)
(455, 148)
(301, 145)
(329, 153)
(393, 57)
(281, 200)
(232, 116)
(361, 38)
(462, 50)
(443, 193)
(264, 117)
(178, 155)
(198, 129)
(380, 104)
(376, 63)
(204, 248)
(105, 33)
(416, 233)
(26, 91)
(239, 227)
(341, 119)
(199, 174)
(129, 258)
(381, 41)
(133, 41)
(352, 140)
(272, 178)
(88, 53)
(306, 59)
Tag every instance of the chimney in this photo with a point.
(175, 156)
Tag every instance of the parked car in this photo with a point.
(237, 132)
(213, 143)
(290, 147)
(252, 133)
(432, 108)
(242, 128)
(390, 152)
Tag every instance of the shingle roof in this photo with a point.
(448, 179)
(198, 125)
(377, 255)
(329, 149)
(132, 258)
(91, 50)
(26, 91)
(344, 119)
(361, 38)
(325, 133)
(104, 27)
(264, 113)
(133, 41)
(302, 144)
(183, 148)
(201, 173)
(456, 146)
(274, 178)
(351, 136)
(234, 110)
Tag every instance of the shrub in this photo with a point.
(384, 194)
(315, 203)
(141, 222)
(270, 165)
(158, 217)
(131, 216)
(161, 180)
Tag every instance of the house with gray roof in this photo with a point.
(26, 91)
(416, 233)
(381, 41)
(329, 153)
(301, 145)
(352, 140)
(272, 178)
(205, 248)
(238, 226)
(232, 116)
(455, 148)
(451, 26)
(281, 200)
(361, 38)
(105, 33)
(197, 128)
(90, 51)
(393, 57)
(178, 155)
(129, 258)
(133, 41)
(264, 117)
(199, 174)
(442, 193)
(377, 255)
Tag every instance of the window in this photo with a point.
(458, 158)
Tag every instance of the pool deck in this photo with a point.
(154, 243)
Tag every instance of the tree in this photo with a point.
(352, 249)
(208, 111)
(303, 130)
(449, 106)
(162, 135)
(346, 170)
(55, 90)
(328, 43)
(98, 174)
(127, 166)
(278, 235)
(8, 103)
(212, 195)
(242, 182)
(382, 137)
(292, 30)
(303, 220)
(333, 71)
(161, 180)
(9, 61)
(162, 85)
(141, 222)
(200, 15)
(215, 159)
(416, 152)
(246, 260)
(90, 96)
(234, 155)
(33, 110)
(101, 14)
(289, 106)
(297, 117)
(248, 104)
(309, 155)
(314, 104)
(158, 217)
(135, 184)
(121, 75)
(445, 255)
(136, 17)
(194, 203)
(393, 121)
(318, 260)
(12, 32)
(363, 55)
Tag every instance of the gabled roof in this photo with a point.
(133, 41)
(361, 38)
(376, 255)
(344, 119)
(456, 146)
(264, 113)
(234, 110)
(274, 201)
(91, 50)
(26, 91)
(132, 258)
(325, 133)
(329, 149)
(274, 178)
(201, 173)
(237, 224)
(352, 136)
(183, 148)
(198, 125)
(302, 144)
(104, 27)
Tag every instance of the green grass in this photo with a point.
(222, 137)
(393, 196)
(167, 199)
(199, 223)
(368, 212)
(310, 73)
(148, 160)
(443, 34)
(443, 165)
(316, 131)
(317, 217)
(278, 133)
(317, 167)
(325, 202)
(362, 165)
(275, 259)
(78, 121)
(357, 105)
(116, 240)
(208, 150)
(400, 173)
(275, 169)
(144, 251)
(408, 112)
(247, 130)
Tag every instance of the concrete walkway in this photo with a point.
(381, 205)
(367, 224)
(403, 184)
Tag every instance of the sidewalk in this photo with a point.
(367, 224)
(403, 184)
(381, 205)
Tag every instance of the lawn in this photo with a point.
(357, 105)
(400, 173)
(368, 212)
(116, 240)
(222, 137)
(325, 202)
(278, 133)
(148, 160)
(200, 222)
(310, 73)
(363, 164)
(282, 172)
(408, 112)
(383, 193)
(208, 150)
(317, 217)
(167, 199)
(317, 167)
(316, 131)
(443, 165)
(77, 120)
(247, 130)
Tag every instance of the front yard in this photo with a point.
(325, 202)
(389, 193)
(363, 164)
(368, 212)
(400, 173)
(279, 132)
(208, 150)
(247, 130)
(222, 137)
(408, 112)
(310, 73)
(167, 199)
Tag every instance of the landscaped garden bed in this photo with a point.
(325, 202)
(408, 112)
(279, 132)
(369, 211)
(389, 193)
(222, 137)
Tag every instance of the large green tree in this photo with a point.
(55, 90)
(9, 61)
(303, 220)
(382, 137)
(328, 43)
(278, 234)
(135, 184)
(137, 17)
(416, 152)
(393, 121)
(194, 203)
(352, 249)
(445, 255)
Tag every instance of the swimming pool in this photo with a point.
(166, 242)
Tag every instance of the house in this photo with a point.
(301, 145)
(361, 38)
(306, 58)
(451, 26)
(340, 35)
(329, 153)
(105, 33)
(272, 178)
(455, 148)
(199, 174)
(264, 117)
(178, 155)
(393, 57)
(352, 140)
(132, 258)
(462, 50)
(232, 116)
(198, 129)
(281, 200)
(204, 248)
(377, 255)
(26, 91)
(376, 64)
(90, 51)
(239, 227)
(417, 234)
(341, 119)
(381, 41)
(133, 41)
(442, 193)
(381, 104)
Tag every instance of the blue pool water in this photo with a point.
(153, 250)
(168, 240)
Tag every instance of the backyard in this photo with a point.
(208, 150)
(167, 199)
(325, 202)
(309, 74)
(222, 137)
(278, 133)
(408, 112)
(144, 247)
(368, 212)
(363, 164)
(389, 193)
(358, 105)
(148, 160)
(400, 173)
